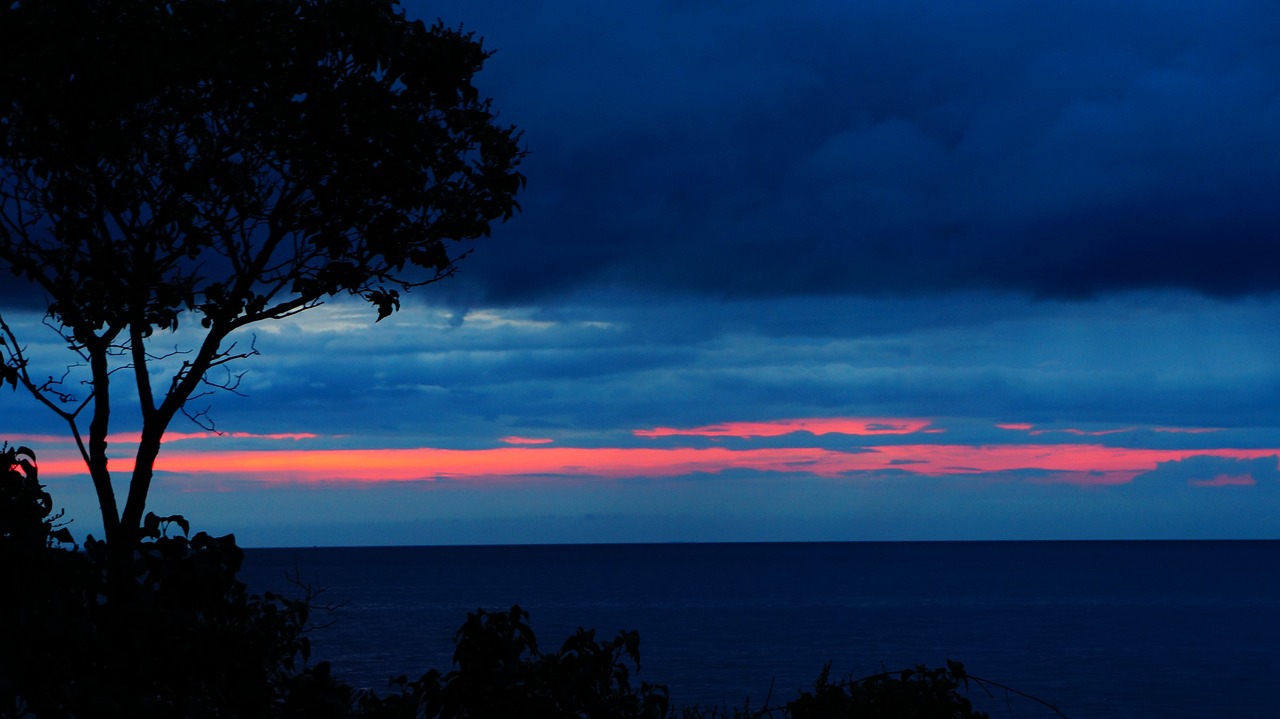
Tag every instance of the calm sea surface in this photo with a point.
(1102, 629)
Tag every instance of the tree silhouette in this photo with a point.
(226, 162)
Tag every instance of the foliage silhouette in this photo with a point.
(231, 162)
(919, 692)
(27, 522)
(173, 632)
(500, 673)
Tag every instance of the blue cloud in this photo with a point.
(1055, 150)
(1206, 472)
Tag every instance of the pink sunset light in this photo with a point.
(1070, 463)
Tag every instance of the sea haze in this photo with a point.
(1102, 629)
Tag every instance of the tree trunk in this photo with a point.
(143, 471)
(99, 425)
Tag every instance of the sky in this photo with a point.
(796, 272)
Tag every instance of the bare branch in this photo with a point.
(50, 386)
(230, 384)
(202, 420)
(18, 362)
(167, 355)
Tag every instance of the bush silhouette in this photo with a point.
(170, 631)
(499, 672)
(26, 510)
(920, 692)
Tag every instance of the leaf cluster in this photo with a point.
(27, 520)
(9, 367)
(916, 693)
(166, 630)
(239, 159)
(499, 672)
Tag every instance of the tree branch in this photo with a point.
(19, 363)
(141, 371)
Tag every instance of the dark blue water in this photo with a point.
(1102, 629)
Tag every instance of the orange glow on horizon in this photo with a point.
(533, 457)
(1078, 464)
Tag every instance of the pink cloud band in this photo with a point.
(1077, 463)
(525, 457)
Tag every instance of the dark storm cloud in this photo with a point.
(836, 148)
(17, 293)
(1067, 369)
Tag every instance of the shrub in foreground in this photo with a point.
(169, 631)
(164, 631)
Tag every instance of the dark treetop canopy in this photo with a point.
(238, 157)
(240, 160)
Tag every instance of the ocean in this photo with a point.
(1102, 629)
